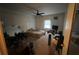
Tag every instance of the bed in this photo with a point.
(35, 34)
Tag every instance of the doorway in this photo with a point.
(73, 48)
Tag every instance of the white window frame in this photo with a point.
(47, 24)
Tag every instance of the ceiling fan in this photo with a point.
(38, 13)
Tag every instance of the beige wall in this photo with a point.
(25, 22)
(17, 18)
(59, 21)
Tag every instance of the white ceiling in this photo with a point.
(50, 8)
(47, 8)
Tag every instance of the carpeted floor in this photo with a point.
(42, 48)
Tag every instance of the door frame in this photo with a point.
(68, 26)
(3, 48)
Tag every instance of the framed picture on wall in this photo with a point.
(55, 18)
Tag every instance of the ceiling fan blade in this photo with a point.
(38, 13)
(42, 13)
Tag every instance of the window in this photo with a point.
(47, 24)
